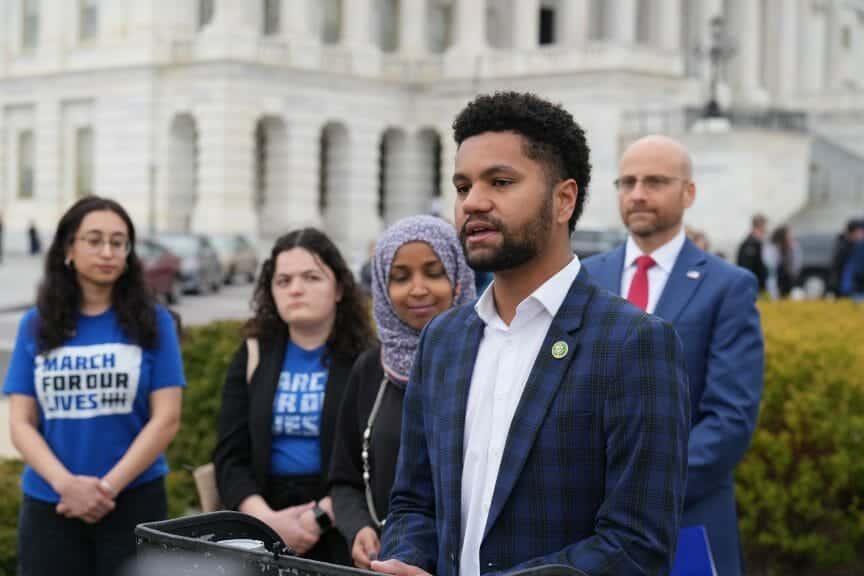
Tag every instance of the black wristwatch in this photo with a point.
(322, 518)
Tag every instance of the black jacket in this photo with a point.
(750, 257)
(242, 454)
(346, 466)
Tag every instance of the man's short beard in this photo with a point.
(515, 250)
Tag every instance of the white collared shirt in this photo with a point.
(504, 361)
(665, 258)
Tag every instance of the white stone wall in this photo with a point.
(740, 173)
(150, 66)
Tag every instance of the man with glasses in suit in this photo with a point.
(712, 305)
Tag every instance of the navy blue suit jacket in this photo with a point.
(593, 472)
(712, 306)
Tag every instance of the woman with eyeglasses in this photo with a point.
(283, 389)
(418, 271)
(95, 383)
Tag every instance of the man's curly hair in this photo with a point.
(552, 137)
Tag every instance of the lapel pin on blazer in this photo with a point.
(693, 274)
(559, 350)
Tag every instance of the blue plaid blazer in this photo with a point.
(593, 473)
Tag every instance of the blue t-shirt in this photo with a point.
(93, 392)
(296, 446)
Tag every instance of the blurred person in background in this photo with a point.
(418, 271)
(750, 252)
(782, 257)
(283, 389)
(843, 248)
(699, 239)
(853, 269)
(366, 270)
(33, 239)
(96, 382)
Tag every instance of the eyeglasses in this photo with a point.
(117, 245)
(651, 182)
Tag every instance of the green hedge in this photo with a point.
(800, 487)
(207, 351)
(10, 500)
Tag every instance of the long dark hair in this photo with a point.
(352, 329)
(59, 298)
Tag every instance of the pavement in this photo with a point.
(19, 278)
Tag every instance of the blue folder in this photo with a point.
(693, 557)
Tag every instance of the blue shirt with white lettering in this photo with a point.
(93, 393)
(296, 447)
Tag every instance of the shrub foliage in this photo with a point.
(800, 487)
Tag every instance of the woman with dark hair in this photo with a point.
(96, 383)
(783, 261)
(283, 389)
(418, 271)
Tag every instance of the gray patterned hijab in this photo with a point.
(398, 339)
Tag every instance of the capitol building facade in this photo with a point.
(257, 116)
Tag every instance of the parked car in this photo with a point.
(587, 242)
(817, 254)
(237, 256)
(161, 270)
(200, 269)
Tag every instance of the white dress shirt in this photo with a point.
(504, 361)
(665, 258)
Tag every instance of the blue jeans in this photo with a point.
(51, 544)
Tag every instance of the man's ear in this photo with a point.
(689, 194)
(566, 194)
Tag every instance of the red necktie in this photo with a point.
(638, 293)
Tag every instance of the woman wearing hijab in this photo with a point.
(418, 271)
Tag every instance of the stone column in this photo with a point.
(296, 205)
(463, 58)
(408, 176)
(145, 20)
(833, 58)
(575, 21)
(226, 159)
(234, 31)
(6, 46)
(356, 23)
(357, 37)
(54, 35)
(47, 164)
(622, 14)
(787, 55)
(669, 25)
(304, 45)
(526, 24)
(447, 200)
(748, 25)
(412, 27)
(236, 15)
(352, 214)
